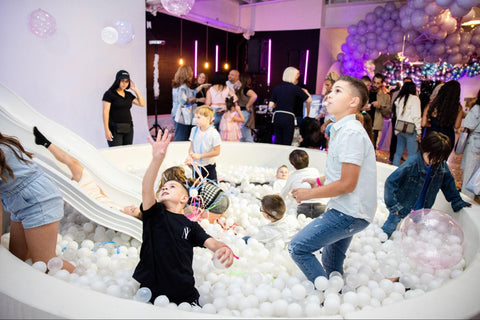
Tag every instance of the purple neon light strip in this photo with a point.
(196, 58)
(306, 68)
(216, 58)
(269, 60)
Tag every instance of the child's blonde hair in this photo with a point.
(274, 206)
(205, 111)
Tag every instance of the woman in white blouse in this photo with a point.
(408, 110)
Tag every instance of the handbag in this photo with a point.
(405, 127)
(473, 183)
(185, 114)
(461, 142)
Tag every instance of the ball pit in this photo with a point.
(258, 292)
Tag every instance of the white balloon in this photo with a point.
(109, 35)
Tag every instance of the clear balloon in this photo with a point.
(420, 231)
(178, 7)
(109, 35)
(41, 23)
(125, 31)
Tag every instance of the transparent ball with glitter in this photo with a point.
(178, 7)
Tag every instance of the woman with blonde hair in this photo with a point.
(182, 96)
(284, 98)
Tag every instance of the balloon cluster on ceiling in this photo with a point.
(419, 30)
(175, 7)
(394, 71)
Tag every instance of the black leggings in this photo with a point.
(283, 128)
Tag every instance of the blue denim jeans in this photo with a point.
(391, 223)
(182, 132)
(408, 140)
(217, 117)
(332, 231)
(246, 132)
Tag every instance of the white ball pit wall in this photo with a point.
(27, 293)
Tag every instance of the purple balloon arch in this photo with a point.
(420, 30)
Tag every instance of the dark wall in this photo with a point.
(165, 27)
(288, 49)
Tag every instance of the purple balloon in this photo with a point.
(468, 4)
(419, 19)
(388, 25)
(379, 11)
(444, 3)
(361, 48)
(475, 39)
(390, 6)
(397, 47)
(361, 29)
(465, 37)
(406, 22)
(371, 44)
(395, 15)
(455, 58)
(357, 55)
(420, 4)
(379, 22)
(453, 39)
(344, 48)
(386, 15)
(458, 11)
(371, 36)
(433, 9)
(370, 18)
(382, 45)
(372, 27)
(340, 56)
(438, 49)
(352, 29)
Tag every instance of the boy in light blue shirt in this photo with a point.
(350, 181)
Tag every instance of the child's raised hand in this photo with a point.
(224, 255)
(189, 161)
(160, 145)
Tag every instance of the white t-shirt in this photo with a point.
(283, 229)
(278, 185)
(295, 181)
(349, 143)
(203, 142)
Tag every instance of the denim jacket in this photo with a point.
(405, 184)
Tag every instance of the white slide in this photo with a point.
(17, 118)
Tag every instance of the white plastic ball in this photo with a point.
(161, 301)
(40, 266)
(298, 292)
(321, 283)
(143, 295)
(55, 264)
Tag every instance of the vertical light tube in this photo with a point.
(306, 67)
(269, 60)
(216, 58)
(196, 59)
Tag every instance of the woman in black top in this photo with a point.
(201, 86)
(117, 119)
(284, 98)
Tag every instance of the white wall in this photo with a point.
(64, 76)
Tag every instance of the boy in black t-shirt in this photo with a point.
(166, 255)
